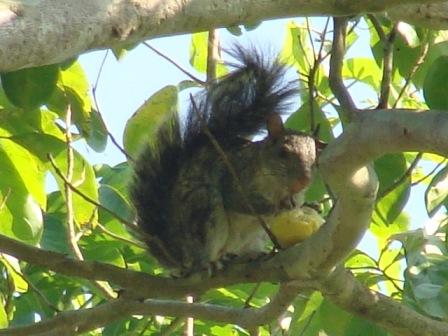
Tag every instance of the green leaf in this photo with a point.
(297, 50)
(84, 180)
(359, 326)
(20, 215)
(301, 121)
(360, 259)
(334, 319)
(22, 192)
(17, 160)
(54, 237)
(198, 54)
(118, 176)
(141, 127)
(187, 84)
(105, 251)
(3, 317)
(434, 52)
(30, 88)
(437, 192)
(113, 200)
(435, 86)
(97, 137)
(364, 70)
(408, 33)
(390, 169)
(76, 89)
(15, 273)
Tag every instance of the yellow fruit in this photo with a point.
(294, 226)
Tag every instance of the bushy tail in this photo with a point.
(239, 104)
(236, 106)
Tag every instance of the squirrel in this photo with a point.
(185, 195)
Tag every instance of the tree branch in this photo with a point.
(51, 31)
(345, 291)
(83, 320)
(340, 91)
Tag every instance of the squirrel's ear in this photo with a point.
(275, 127)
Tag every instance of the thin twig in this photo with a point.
(118, 237)
(71, 230)
(312, 92)
(388, 56)
(40, 295)
(418, 62)
(196, 79)
(429, 174)
(251, 295)
(130, 225)
(348, 107)
(212, 55)
(403, 178)
(310, 37)
(174, 325)
(237, 180)
(94, 89)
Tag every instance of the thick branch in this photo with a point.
(83, 320)
(345, 291)
(42, 32)
(428, 15)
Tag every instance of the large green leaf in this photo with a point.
(29, 88)
(435, 87)
(141, 127)
(297, 49)
(364, 70)
(22, 192)
(105, 251)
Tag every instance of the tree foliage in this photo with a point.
(88, 215)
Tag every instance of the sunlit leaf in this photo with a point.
(15, 273)
(198, 54)
(141, 127)
(85, 212)
(408, 33)
(364, 70)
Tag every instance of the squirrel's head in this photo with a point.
(296, 153)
